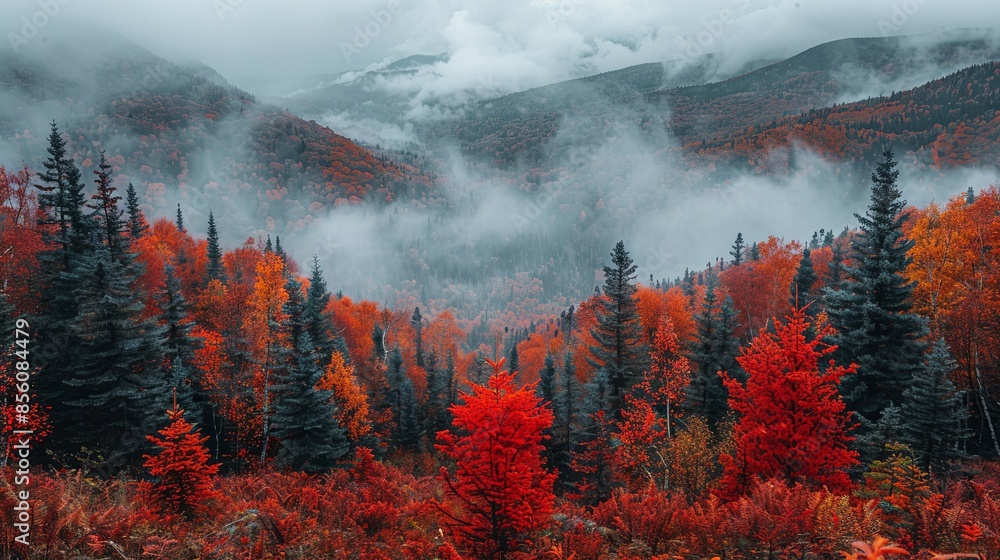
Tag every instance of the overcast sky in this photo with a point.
(521, 43)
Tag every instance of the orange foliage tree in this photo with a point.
(759, 288)
(653, 408)
(352, 404)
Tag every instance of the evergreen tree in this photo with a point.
(318, 322)
(108, 216)
(136, 221)
(754, 252)
(61, 200)
(874, 444)
(418, 339)
(115, 380)
(871, 312)
(566, 428)
(304, 417)
(60, 204)
(599, 394)
(403, 403)
(547, 380)
(594, 454)
(513, 362)
(738, 248)
(437, 417)
(179, 348)
(935, 419)
(215, 268)
(180, 219)
(834, 279)
(278, 250)
(802, 285)
(621, 350)
(715, 350)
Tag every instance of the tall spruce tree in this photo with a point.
(546, 389)
(802, 285)
(738, 248)
(715, 349)
(214, 269)
(180, 219)
(513, 361)
(418, 335)
(108, 215)
(116, 385)
(621, 350)
(61, 201)
(179, 349)
(934, 417)
(402, 402)
(436, 415)
(871, 311)
(834, 279)
(318, 322)
(566, 428)
(60, 204)
(137, 225)
(304, 422)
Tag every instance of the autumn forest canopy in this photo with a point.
(200, 376)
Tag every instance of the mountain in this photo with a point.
(523, 127)
(384, 95)
(361, 94)
(949, 122)
(181, 133)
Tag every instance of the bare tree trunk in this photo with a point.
(983, 403)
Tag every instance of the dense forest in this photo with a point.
(793, 400)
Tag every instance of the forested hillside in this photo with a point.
(230, 332)
(198, 401)
(525, 127)
(948, 122)
(181, 134)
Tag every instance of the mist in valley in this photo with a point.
(542, 226)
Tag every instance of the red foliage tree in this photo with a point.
(793, 424)
(500, 490)
(184, 478)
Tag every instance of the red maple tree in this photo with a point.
(793, 424)
(500, 490)
(183, 476)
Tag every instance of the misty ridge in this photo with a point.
(440, 216)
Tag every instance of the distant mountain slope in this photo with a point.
(181, 133)
(521, 127)
(948, 122)
(360, 93)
